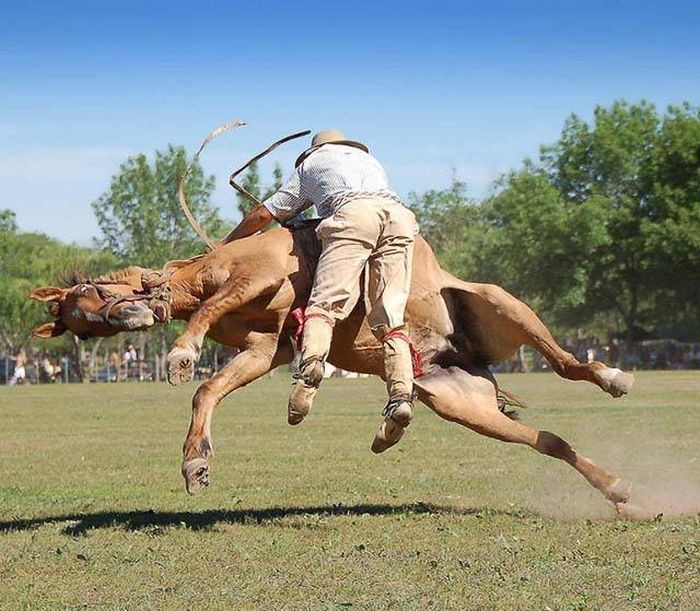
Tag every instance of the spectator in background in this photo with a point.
(590, 354)
(20, 373)
(114, 363)
(130, 354)
(676, 358)
(695, 358)
(49, 371)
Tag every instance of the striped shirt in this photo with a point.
(328, 178)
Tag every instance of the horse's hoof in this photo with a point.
(618, 492)
(181, 362)
(628, 511)
(196, 474)
(621, 383)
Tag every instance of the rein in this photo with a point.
(213, 134)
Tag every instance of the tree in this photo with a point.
(11, 299)
(251, 183)
(542, 246)
(276, 182)
(8, 223)
(453, 225)
(674, 230)
(140, 216)
(603, 231)
(611, 215)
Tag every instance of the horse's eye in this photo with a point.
(84, 288)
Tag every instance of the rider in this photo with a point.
(363, 222)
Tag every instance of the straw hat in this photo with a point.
(328, 136)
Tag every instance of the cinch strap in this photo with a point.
(300, 318)
(416, 358)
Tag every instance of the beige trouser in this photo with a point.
(378, 233)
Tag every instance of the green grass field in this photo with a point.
(93, 511)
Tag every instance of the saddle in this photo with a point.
(306, 244)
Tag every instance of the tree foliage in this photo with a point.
(642, 170)
(453, 224)
(605, 226)
(542, 247)
(140, 216)
(28, 260)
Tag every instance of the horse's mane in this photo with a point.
(71, 278)
(132, 275)
(129, 275)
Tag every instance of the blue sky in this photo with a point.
(432, 87)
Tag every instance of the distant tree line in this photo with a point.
(601, 232)
(26, 261)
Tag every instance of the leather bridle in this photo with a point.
(160, 294)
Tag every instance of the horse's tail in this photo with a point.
(506, 400)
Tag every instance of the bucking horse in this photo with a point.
(247, 294)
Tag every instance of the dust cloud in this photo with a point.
(665, 480)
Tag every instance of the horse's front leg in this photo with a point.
(262, 353)
(239, 290)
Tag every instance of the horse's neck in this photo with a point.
(132, 275)
(192, 281)
(186, 290)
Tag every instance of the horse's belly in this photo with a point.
(354, 348)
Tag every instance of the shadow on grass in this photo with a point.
(80, 523)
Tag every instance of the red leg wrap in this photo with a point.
(416, 358)
(300, 318)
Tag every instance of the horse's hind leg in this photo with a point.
(470, 400)
(509, 323)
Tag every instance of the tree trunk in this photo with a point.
(163, 352)
(93, 354)
(78, 363)
(631, 322)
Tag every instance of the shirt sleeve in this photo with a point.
(288, 201)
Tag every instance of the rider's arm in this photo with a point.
(287, 202)
(256, 220)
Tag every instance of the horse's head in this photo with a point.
(93, 309)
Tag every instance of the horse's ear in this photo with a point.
(48, 293)
(50, 329)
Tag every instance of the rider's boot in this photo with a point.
(316, 341)
(306, 382)
(398, 412)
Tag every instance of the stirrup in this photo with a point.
(394, 403)
(397, 413)
(310, 371)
